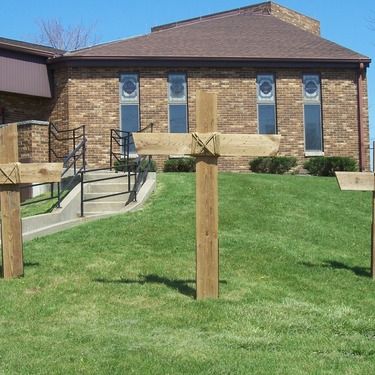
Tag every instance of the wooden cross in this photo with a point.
(206, 145)
(12, 174)
(361, 181)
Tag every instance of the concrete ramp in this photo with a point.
(68, 215)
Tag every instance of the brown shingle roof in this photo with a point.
(31, 48)
(240, 36)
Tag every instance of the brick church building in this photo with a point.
(270, 67)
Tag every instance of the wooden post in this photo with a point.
(12, 174)
(207, 218)
(373, 223)
(11, 227)
(361, 181)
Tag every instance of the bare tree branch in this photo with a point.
(69, 38)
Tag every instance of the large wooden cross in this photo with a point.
(361, 181)
(206, 145)
(12, 174)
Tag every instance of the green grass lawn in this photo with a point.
(33, 206)
(36, 208)
(116, 296)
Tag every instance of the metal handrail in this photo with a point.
(85, 182)
(78, 153)
(124, 140)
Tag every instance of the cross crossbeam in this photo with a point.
(207, 145)
(17, 173)
(12, 174)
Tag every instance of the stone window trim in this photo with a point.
(313, 153)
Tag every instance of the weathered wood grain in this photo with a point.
(162, 143)
(207, 217)
(16, 173)
(360, 181)
(249, 144)
(11, 227)
(228, 144)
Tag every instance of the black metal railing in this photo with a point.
(121, 160)
(74, 161)
(121, 144)
(85, 182)
(69, 139)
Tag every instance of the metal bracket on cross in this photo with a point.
(9, 174)
(206, 145)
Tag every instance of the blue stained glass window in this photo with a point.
(178, 118)
(177, 88)
(312, 113)
(129, 86)
(266, 104)
(266, 119)
(177, 98)
(130, 122)
(129, 98)
(313, 128)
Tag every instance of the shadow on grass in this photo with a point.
(359, 271)
(26, 264)
(31, 264)
(180, 285)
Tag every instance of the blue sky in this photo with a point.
(347, 22)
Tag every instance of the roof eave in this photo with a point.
(28, 50)
(205, 61)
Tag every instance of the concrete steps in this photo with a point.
(116, 198)
(106, 187)
(120, 176)
(97, 189)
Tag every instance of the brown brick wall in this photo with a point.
(25, 148)
(340, 117)
(33, 143)
(366, 123)
(93, 100)
(287, 15)
(18, 107)
(32, 138)
(296, 19)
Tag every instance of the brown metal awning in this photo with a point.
(24, 74)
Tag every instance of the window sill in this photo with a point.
(314, 153)
(131, 156)
(178, 156)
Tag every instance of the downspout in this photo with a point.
(362, 151)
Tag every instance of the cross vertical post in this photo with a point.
(11, 227)
(207, 217)
(361, 181)
(12, 174)
(373, 221)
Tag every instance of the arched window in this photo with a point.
(266, 104)
(312, 113)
